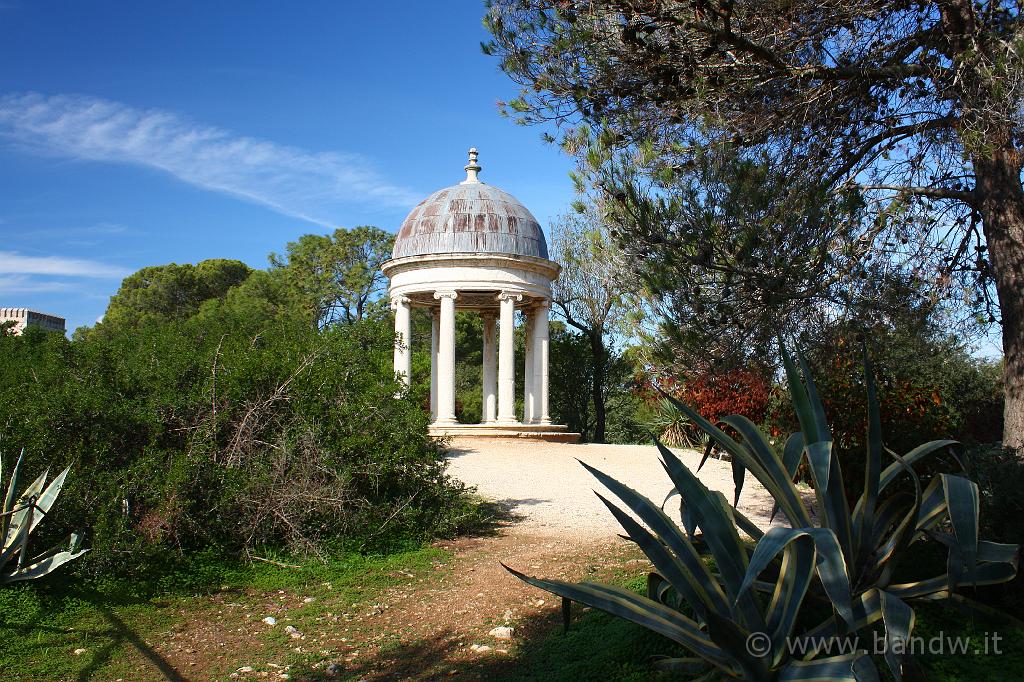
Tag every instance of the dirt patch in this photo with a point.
(436, 622)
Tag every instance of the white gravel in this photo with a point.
(548, 492)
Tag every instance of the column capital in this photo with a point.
(541, 303)
(510, 296)
(399, 300)
(446, 294)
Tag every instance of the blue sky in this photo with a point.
(138, 133)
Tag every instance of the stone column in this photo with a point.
(446, 358)
(540, 362)
(403, 333)
(490, 378)
(529, 406)
(507, 359)
(434, 331)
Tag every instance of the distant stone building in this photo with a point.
(23, 317)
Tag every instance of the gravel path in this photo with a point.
(544, 486)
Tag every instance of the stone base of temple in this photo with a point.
(554, 433)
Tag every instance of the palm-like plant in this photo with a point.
(19, 517)
(846, 557)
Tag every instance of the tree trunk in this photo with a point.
(1000, 200)
(597, 388)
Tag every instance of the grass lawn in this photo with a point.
(120, 625)
(203, 620)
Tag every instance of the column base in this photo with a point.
(449, 421)
(551, 432)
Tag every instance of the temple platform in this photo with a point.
(553, 433)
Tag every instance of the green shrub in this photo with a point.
(229, 430)
(846, 562)
(929, 387)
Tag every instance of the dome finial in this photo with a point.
(472, 168)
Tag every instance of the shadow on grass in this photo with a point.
(119, 633)
(100, 637)
(597, 646)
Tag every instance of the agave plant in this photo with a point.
(19, 518)
(841, 557)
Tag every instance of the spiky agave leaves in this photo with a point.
(880, 527)
(19, 517)
(727, 609)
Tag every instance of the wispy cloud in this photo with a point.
(309, 185)
(22, 284)
(14, 263)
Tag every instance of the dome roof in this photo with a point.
(471, 217)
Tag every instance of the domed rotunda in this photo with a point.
(473, 247)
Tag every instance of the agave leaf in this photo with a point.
(975, 608)
(41, 568)
(72, 545)
(933, 505)
(5, 521)
(738, 472)
(997, 563)
(902, 536)
(795, 574)
(812, 548)
(707, 453)
(719, 531)
(690, 586)
(791, 455)
(998, 552)
(899, 623)
(834, 668)
(867, 609)
(819, 455)
(828, 490)
(817, 408)
(685, 515)
(864, 516)
(12, 548)
(640, 610)
(661, 590)
(801, 401)
(23, 550)
(688, 666)
(666, 532)
(736, 641)
(727, 443)
(747, 526)
(25, 498)
(962, 502)
(714, 516)
(890, 473)
(886, 515)
(789, 498)
(48, 497)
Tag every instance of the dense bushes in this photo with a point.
(227, 429)
(716, 394)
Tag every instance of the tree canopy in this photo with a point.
(913, 109)
(172, 291)
(338, 276)
(588, 295)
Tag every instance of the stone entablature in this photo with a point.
(24, 317)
